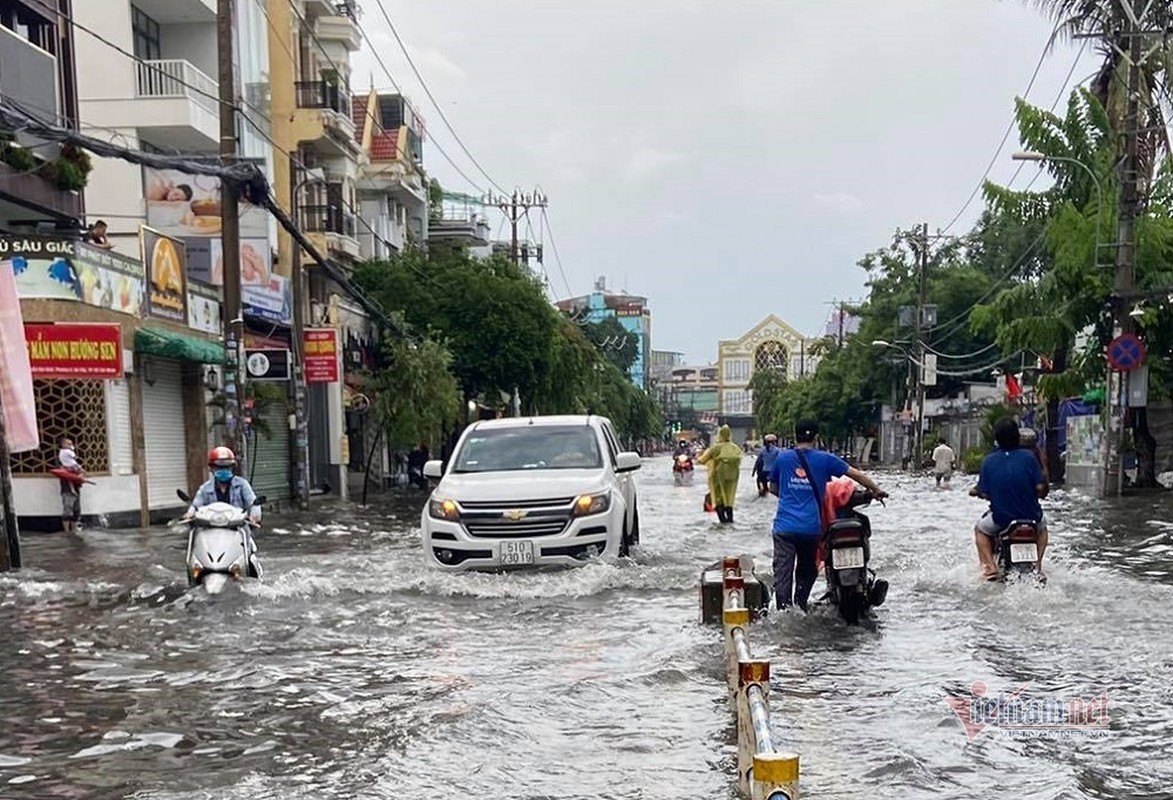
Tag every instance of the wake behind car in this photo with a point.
(532, 491)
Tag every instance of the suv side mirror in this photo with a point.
(434, 470)
(628, 462)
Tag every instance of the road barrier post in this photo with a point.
(763, 773)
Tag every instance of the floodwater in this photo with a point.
(354, 671)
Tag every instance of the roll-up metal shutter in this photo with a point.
(120, 438)
(268, 465)
(163, 430)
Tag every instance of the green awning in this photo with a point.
(179, 346)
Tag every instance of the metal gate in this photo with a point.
(268, 457)
(163, 432)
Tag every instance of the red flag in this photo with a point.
(1013, 387)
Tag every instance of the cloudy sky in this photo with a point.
(725, 159)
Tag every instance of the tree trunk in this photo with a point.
(1146, 449)
(1055, 466)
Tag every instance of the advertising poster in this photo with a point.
(205, 261)
(78, 350)
(272, 302)
(203, 309)
(1084, 441)
(181, 205)
(55, 268)
(164, 258)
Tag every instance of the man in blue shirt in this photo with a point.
(765, 463)
(1013, 481)
(799, 524)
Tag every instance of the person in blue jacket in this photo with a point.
(764, 464)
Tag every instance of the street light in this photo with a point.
(1030, 155)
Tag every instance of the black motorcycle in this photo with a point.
(851, 585)
(1016, 550)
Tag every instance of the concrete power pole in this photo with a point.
(919, 342)
(1130, 201)
(230, 234)
(515, 207)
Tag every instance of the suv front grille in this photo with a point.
(505, 529)
(516, 520)
(501, 506)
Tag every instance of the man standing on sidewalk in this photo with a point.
(799, 479)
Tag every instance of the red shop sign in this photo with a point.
(321, 355)
(74, 350)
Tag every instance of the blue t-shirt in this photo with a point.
(768, 456)
(798, 510)
(1009, 478)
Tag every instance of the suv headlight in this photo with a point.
(443, 509)
(587, 504)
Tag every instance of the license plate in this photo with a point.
(1020, 553)
(847, 558)
(517, 553)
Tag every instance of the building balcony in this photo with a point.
(28, 200)
(333, 225)
(172, 12)
(471, 230)
(340, 26)
(175, 107)
(323, 115)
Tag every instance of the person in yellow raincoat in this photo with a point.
(724, 462)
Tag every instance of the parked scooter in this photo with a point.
(682, 469)
(851, 585)
(219, 546)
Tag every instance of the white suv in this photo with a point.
(532, 491)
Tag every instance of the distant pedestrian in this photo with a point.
(70, 489)
(724, 462)
(944, 459)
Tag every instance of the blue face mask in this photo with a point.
(222, 475)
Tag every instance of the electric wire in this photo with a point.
(557, 255)
(435, 103)
(1005, 137)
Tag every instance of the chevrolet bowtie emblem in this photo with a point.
(514, 515)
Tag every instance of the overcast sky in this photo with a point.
(725, 159)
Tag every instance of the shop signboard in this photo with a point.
(166, 266)
(60, 268)
(74, 350)
(321, 355)
(203, 309)
(271, 301)
(267, 365)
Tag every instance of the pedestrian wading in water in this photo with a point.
(724, 462)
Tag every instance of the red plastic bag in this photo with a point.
(709, 507)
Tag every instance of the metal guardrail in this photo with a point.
(763, 771)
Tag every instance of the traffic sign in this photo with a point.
(1126, 352)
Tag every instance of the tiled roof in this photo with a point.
(359, 114)
(385, 146)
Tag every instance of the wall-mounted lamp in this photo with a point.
(212, 380)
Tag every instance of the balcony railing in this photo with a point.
(327, 219)
(175, 77)
(320, 94)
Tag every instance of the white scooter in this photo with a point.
(219, 546)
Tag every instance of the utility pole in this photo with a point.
(1129, 177)
(230, 234)
(515, 208)
(919, 366)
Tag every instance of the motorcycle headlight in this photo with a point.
(443, 509)
(587, 504)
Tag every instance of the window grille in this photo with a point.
(76, 409)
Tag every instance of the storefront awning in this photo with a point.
(181, 347)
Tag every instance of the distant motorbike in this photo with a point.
(1016, 549)
(682, 469)
(851, 586)
(219, 546)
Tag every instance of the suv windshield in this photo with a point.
(531, 447)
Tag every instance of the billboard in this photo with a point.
(166, 265)
(74, 350)
(59, 268)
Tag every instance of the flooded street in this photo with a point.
(356, 671)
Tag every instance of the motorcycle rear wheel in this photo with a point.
(851, 607)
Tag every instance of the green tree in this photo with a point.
(416, 398)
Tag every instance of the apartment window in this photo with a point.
(146, 36)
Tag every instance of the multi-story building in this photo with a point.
(318, 154)
(691, 395)
(631, 311)
(392, 196)
(771, 344)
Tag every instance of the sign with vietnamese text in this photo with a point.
(271, 301)
(74, 350)
(321, 355)
(62, 268)
(165, 260)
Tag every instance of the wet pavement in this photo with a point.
(355, 671)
